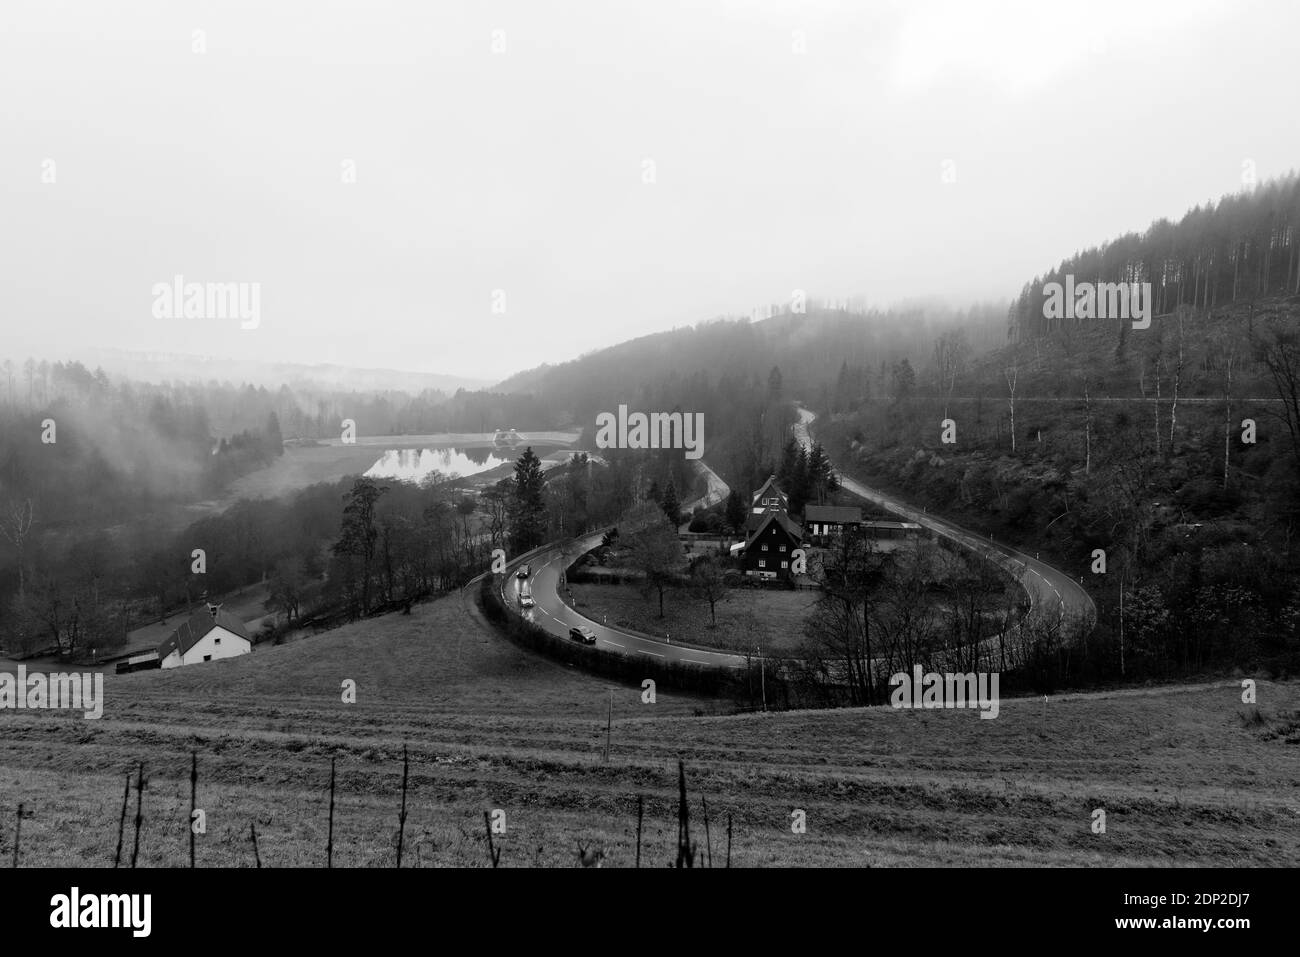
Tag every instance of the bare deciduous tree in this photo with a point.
(15, 524)
(1180, 315)
(950, 353)
(1012, 373)
(709, 580)
(1228, 350)
(1277, 346)
(1087, 429)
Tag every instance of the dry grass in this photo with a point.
(1183, 777)
(770, 618)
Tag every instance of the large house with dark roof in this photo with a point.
(207, 635)
(772, 535)
(768, 551)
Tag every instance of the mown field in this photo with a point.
(1185, 775)
(747, 618)
(770, 618)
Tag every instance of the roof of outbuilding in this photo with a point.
(194, 628)
(837, 514)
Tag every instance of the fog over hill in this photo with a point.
(736, 433)
(808, 342)
(160, 367)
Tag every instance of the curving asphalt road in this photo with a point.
(1052, 593)
(715, 490)
(553, 615)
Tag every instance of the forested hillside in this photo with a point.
(743, 375)
(95, 469)
(1243, 247)
(1174, 449)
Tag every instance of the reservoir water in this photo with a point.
(414, 465)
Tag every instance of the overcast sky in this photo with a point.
(524, 170)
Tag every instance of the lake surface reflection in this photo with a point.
(414, 465)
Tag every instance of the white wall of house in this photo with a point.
(215, 645)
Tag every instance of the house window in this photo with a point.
(761, 563)
(781, 549)
(764, 548)
(785, 564)
(216, 641)
(207, 657)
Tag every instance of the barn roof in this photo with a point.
(194, 628)
(835, 514)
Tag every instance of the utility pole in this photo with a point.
(1121, 626)
(762, 666)
(194, 784)
(609, 723)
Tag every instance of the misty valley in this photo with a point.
(357, 509)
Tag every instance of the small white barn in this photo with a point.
(210, 634)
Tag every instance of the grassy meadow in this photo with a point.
(1186, 775)
(770, 618)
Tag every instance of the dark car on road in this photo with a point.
(524, 571)
(583, 634)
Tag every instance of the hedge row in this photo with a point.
(630, 669)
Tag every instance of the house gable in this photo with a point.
(218, 643)
(769, 496)
(770, 549)
(216, 631)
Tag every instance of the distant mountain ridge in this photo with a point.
(809, 348)
(167, 367)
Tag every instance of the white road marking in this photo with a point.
(695, 661)
(614, 643)
(655, 653)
